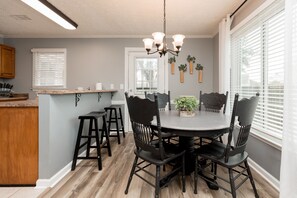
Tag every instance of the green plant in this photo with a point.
(186, 103)
(191, 59)
(171, 60)
(182, 67)
(199, 67)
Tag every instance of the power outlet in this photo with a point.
(121, 86)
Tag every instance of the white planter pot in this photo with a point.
(186, 113)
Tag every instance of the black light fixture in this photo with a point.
(53, 13)
(160, 41)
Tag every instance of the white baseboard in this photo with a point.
(45, 183)
(267, 176)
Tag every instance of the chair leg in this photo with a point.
(98, 145)
(122, 124)
(77, 145)
(131, 174)
(89, 138)
(106, 133)
(196, 175)
(251, 178)
(183, 174)
(157, 187)
(215, 170)
(117, 126)
(232, 183)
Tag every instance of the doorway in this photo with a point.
(144, 73)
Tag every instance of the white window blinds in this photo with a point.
(257, 56)
(49, 68)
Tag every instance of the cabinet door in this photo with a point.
(7, 62)
(18, 145)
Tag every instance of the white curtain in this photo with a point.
(288, 176)
(225, 62)
(224, 57)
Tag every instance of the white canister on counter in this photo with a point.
(98, 86)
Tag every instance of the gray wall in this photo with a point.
(103, 60)
(202, 50)
(88, 61)
(263, 154)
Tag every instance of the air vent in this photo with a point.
(20, 17)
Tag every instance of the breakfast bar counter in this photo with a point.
(58, 126)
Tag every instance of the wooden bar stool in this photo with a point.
(93, 127)
(115, 115)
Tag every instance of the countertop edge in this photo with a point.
(21, 103)
(62, 92)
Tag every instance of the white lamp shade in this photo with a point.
(158, 37)
(174, 47)
(148, 43)
(161, 47)
(178, 39)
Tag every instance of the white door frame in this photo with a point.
(139, 49)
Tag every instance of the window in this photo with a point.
(49, 68)
(146, 74)
(257, 65)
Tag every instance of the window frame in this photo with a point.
(49, 50)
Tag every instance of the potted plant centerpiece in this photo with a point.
(172, 61)
(199, 67)
(186, 105)
(191, 60)
(182, 68)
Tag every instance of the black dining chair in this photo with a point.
(214, 102)
(151, 152)
(234, 158)
(163, 102)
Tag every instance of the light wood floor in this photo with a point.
(86, 181)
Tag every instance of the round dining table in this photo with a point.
(204, 124)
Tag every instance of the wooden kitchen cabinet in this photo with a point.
(7, 61)
(18, 145)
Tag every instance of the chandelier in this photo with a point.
(160, 41)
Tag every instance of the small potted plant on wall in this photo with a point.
(199, 67)
(191, 60)
(172, 61)
(186, 105)
(182, 68)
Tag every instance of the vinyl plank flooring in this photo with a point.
(88, 181)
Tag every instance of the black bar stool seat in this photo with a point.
(93, 127)
(115, 115)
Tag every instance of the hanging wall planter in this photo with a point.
(182, 68)
(199, 67)
(191, 60)
(172, 61)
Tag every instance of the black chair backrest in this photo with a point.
(244, 110)
(142, 112)
(213, 101)
(163, 99)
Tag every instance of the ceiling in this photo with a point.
(116, 18)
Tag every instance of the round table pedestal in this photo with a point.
(187, 144)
